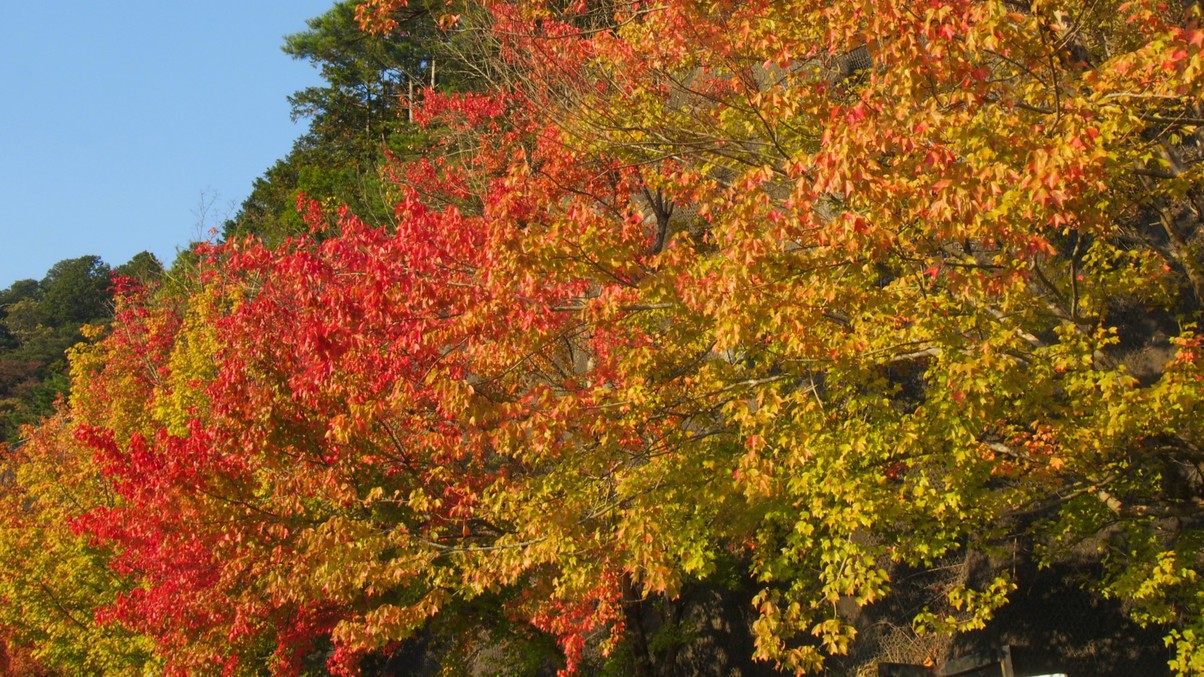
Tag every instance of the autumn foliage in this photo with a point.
(811, 291)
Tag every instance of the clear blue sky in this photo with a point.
(118, 117)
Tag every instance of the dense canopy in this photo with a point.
(795, 297)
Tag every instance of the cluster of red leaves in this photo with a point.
(304, 395)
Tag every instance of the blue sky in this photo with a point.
(118, 119)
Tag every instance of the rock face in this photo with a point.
(1050, 626)
(1057, 627)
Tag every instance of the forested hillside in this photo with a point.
(648, 338)
(40, 320)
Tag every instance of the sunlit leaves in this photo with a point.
(816, 291)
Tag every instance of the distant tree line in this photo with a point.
(41, 319)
